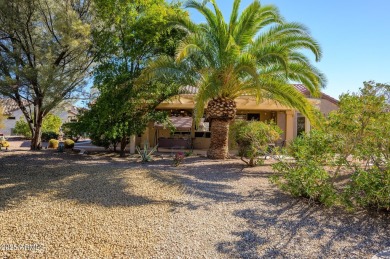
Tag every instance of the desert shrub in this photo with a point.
(361, 126)
(48, 135)
(305, 179)
(53, 143)
(355, 142)
(313, 146)
(253, 139)
(4, 143)
(306, 176)
(178, 159)
(68, 143)
(369, 189)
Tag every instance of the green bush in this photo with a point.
(313, 146)
(253, 139)
(46, 136)
(22, 128)
(306, 176)
(355, 144)
(305, 179)
(68, 143)
(53, 143)
(369, 189)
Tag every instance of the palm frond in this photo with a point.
(288, 95)
(245, 29)
(234, 16)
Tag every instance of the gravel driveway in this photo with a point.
(63, 205)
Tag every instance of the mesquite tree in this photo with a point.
(45, 55)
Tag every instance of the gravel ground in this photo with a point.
(62, 205)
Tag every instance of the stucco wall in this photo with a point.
(9, 124)
(326, 107)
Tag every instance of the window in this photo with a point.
(253, 117)
(240, 117)
(203, 130)
(11, 118)
(300, 125)
(202, 134)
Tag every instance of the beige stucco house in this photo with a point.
(12, 114)
(188, 136)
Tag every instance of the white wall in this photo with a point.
(10, 124)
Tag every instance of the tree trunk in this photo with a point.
(123, 146)
(220, 112)
(219, 147)
(36, 141)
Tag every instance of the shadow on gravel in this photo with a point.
(246, 247)
(292, 228)
(84, 179)
(205, 184)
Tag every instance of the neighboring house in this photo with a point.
(12, 114)
(186, 135)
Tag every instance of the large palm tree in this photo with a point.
(255, 53)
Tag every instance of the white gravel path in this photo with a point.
(97, 206)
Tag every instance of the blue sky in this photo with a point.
(354, 36)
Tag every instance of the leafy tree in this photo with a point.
(51, 123)
(45, 54)
(131, 33)
(255, 53)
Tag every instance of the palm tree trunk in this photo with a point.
(219, 148)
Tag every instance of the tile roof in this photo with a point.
(9, 105)
(193, 90)
(306, 92)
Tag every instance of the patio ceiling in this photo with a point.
(180, 123)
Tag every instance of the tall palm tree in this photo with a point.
(256, 53)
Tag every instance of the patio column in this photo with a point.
(307, 125)
(132, 144)
(289, 125)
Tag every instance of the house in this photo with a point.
(188, 136)
(12, 114)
